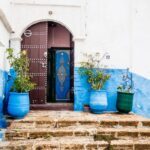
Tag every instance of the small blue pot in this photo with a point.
(18, 105)
(98, 101)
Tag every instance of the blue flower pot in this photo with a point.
(18, 105)
(98, 101)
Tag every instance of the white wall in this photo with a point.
(6, 7)
(119, 27)
(141, 37)
(96, 26)
(4, 43)
(108, 30)
(68, 14)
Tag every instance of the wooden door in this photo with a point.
(35, 41)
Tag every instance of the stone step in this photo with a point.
(49, 123)
(58, 119)
(71, 144)
(47, 133)
(52, 106)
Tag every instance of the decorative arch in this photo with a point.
(48, 20)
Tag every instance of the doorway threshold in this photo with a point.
(52, 106)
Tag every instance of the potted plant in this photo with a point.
(94, 71)
(18, 103)
(125, 93)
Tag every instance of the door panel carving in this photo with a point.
(62, 75)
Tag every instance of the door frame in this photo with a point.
(71, 74)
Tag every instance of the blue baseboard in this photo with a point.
(141, 103)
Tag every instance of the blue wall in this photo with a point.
(2, 88)
(141, 104)
(82, 89)
(3, 78)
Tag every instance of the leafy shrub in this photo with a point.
(127, 83)
(93, 69)
(20, 64)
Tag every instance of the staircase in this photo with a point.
(68, 130)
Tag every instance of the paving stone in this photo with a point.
(122, 145)
(46, 145)
(108, 123)
(142, 145)
(17, 145)
(21, 125)
(102, 145)
(129, 123)
(146, 123)
(127, 134)
(76, 145)
(66, 123)
(45, 124)
(15, 135)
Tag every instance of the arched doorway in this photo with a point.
(51, 55)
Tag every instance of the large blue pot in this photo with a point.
(18, 105)
(98, 101)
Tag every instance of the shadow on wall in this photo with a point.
(141, 103)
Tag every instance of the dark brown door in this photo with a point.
(35, 41)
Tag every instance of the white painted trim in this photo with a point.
(1, 44)
(46, 4)
(16, 39)
(5, 21)
(79, 38)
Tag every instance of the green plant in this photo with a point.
(127, 83)
(20, 63)
(93, 69)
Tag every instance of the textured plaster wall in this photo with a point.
(141, 37)
(142, 95)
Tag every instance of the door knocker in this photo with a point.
(45, 54)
